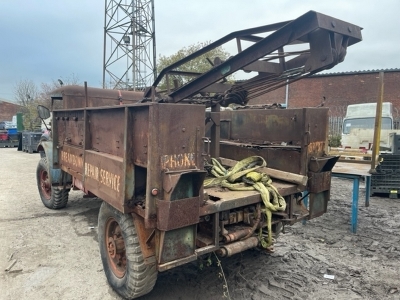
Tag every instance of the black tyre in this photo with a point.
(52, 197)
(121, 254)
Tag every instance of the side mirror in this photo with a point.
(43, 112)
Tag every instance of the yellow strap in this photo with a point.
(244, 170)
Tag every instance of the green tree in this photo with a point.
(201, 64)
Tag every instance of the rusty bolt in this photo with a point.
(183, 129)
(154, 192)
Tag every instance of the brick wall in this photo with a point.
(339, 91)
(8, 110)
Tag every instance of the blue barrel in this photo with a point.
(12, 131)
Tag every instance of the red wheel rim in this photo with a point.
(115, 246)
(45, 184)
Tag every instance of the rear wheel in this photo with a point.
(52, 197)
(121, 254)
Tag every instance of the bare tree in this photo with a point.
(25, 91)
(47, 88)
(29, 97)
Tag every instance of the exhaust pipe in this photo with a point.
(237, 247)
(237, 235)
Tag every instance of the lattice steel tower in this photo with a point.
(129, 58)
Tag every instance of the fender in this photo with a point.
(41, 148)
(57, 176)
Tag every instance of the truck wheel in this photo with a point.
(121, 254)
(52, 197)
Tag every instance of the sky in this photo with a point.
(44, 40)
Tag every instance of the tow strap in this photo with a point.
(244, 177)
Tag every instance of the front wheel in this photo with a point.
(121, 254)
(52, 197)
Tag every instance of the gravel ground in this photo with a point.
(57, 257)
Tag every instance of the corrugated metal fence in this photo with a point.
(335, 125)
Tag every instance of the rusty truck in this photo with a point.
(149, 155)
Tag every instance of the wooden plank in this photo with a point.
(274, 173)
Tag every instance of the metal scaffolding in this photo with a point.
(129, 57)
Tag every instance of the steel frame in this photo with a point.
(327, 39)
(129, 55)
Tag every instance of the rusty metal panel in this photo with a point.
(129, 167)
(315, 136)
(266, 126)
(322, 164)
(284, 159)
(175, 131)
(146, 237)
(276, 125)
(178, 243)
(73, 96)
(316, 149)
(183, 185)
(71, 160)
(318, 204)
(178, 213)
(340, 27)
(180, 136)
(287, 139)
(107, 128)
(316, 126)
(140, 134)
(70, 127)
(319, 182)
(104, 175)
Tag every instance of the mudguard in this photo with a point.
(57, 176)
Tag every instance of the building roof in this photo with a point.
(8, 101)
(356, 72)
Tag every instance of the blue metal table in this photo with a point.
(354, 171)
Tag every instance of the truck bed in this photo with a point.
(220, 199)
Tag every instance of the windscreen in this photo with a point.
(365, 123)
